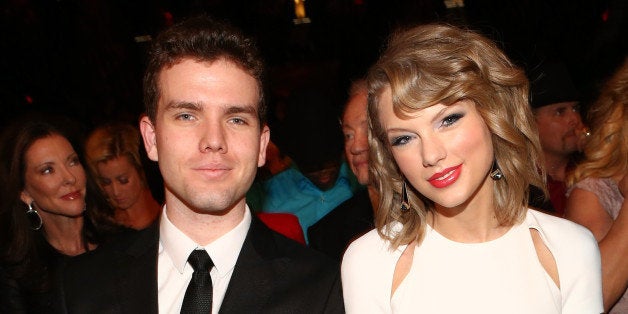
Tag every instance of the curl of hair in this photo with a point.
(441, 64)
(606, 149)
(204, 40)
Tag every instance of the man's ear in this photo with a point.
(263, 143)
(150, 140)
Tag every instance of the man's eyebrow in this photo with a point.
(183, 105)
(235, 109)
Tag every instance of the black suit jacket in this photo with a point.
(272, 275)
(334, 232)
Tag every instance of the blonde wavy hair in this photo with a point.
(111, 141)
(606, 150)
(441, 64)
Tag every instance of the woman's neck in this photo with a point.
(141, 214)
(474, 221)
(65, 234)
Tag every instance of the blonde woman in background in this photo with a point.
(599, 185)
(114, 159)
(453, 150)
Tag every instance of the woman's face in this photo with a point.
(445, 152)
(54, 178)
(120, 181)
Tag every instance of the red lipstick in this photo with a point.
(72, 196)
(446, 177)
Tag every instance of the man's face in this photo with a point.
(558, 126)
(206, 135)
(355, 130)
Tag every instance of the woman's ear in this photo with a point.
(26, 198)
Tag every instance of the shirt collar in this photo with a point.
(179, 246)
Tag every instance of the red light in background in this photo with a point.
(28, 99)
(605, 15)
(169, 18)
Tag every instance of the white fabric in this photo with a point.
(499, 276)
(174, 273)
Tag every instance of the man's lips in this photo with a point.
(446, 177)
(360, 161)
(213, 170)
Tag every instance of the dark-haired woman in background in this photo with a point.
(48, 212)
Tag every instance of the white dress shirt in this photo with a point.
(174, 273)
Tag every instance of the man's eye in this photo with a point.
(185, 116)
(124, 180)
(348, 136)
(238, 121)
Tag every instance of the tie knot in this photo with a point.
(200, 260)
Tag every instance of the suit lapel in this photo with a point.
(255, 272)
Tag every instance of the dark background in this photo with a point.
(80, 57)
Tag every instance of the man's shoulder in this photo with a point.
(273, 245)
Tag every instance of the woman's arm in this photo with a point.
(584, 208)
(614, 251)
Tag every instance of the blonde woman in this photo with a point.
(113, 154)
(453, 151)
(599, 186)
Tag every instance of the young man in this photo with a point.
(205, 127)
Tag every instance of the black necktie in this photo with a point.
(198, 296)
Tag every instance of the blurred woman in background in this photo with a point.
(599, 186)
(113, 154)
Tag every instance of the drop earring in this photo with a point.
(34, 217)
(496, 173)
(405, 205)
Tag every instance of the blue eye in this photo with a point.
(238, 121)
(185, 116)
(400, 140)
(451, 119)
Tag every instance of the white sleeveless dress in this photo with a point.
(499, 276)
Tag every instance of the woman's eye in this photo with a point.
(124, 180)
(75, 161)
(400, 140)
(451, 119)
(47, 170)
